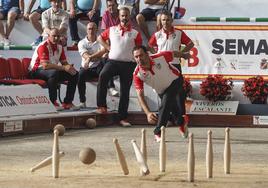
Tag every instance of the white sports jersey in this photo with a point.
(85, 45)
(122, 41)
(160, 75)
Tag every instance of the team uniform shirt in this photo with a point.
(122, 41)
(160, 75)
(84, 46)
(51, 19)
(108, 20)
(169, 41)
(54, 53)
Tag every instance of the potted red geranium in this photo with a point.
(256, 89)
(216, 87)
(187, 87)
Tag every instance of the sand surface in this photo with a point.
(249, 167)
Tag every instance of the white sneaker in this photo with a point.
(113, 92)
(82, 105)
(6, 42)
(75, 108)
(124, 123)
(157, 137)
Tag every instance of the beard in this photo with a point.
(125, 21)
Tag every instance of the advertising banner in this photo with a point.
(24, 100)
(227, 50)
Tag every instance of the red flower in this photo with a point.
(256, 89)
(187, 87)
(216, 87)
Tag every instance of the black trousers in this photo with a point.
(53, 78)
(170, 104)
(181, 101)
(87, 75)
(125, 72)
(73, 23)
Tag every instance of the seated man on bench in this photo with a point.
(49, 63)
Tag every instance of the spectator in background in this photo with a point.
(120, 62)
(92, 56)
(153, 10)
(49, 63)
(55, 17)
(88, 8)
(110, 18)
(170, 39)
(133, 5)
(10, 10)
(35, 16)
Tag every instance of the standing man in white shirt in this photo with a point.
(123, 38)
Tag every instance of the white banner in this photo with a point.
(260, 120)
(227, 50)
(24, 100)
(216, 108)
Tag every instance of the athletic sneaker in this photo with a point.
(70, 106)
(101, 110)
(57, 106)
(183, 128)
(124, 123)
(6, 42)
(82, 105)
(37, 41)
(113, 92)
(75, 43)
(157, 137)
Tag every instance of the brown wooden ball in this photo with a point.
(87, 155)
(60, 128)
(91, 123)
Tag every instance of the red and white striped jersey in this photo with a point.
(54, 53)
(160, 75)
(168, 41)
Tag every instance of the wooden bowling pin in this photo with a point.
(209, 155)
(227, 152)
(121, 157)
(55, 155)
(140, 159)
(47, 161)
(191, 158)
(162, 150)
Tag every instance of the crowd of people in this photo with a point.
(117, 51)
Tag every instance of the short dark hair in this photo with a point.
(167, 13)
(112, 0)
(140, 47)
(124, 9)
